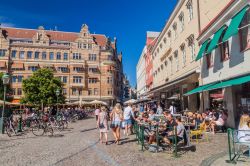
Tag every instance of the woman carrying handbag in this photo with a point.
(103, 124)
(116, 121)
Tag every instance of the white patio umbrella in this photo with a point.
(131, 101)
(95, 102)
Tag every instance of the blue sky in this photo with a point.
(128, 20)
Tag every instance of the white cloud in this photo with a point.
(7, 24)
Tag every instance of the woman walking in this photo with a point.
(103, 124)
(116, 119)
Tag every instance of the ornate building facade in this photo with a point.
(88, 64)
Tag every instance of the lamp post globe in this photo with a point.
(6, 79)
(57, 92)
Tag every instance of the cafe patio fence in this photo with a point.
(238, 147)
(140, 130)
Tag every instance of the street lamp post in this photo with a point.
(6, 80)
(57, 94)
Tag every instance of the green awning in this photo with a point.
(231, 82)
(234, 24)
(202, 50)
(198, 89)
(215, 39)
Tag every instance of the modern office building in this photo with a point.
(88, 64)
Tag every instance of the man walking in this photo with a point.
(128, 115)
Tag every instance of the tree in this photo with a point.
(41, 88)
(8, 90)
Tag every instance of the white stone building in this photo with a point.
(141, 74)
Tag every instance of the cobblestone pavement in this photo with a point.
(79, 146)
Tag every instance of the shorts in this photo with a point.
(127, 122)
(219, 123)
(117, 123)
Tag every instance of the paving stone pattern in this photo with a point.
(79, 146)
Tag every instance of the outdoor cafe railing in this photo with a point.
(238, 144)
(140, 130)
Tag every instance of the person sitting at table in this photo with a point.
(151, 115)
(220, 122)
(180, 132)
(199, 120)
(244, 129)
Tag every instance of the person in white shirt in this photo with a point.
(127, 115)
(172, 109)
(159, 109)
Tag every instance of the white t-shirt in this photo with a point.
(180, 130)
(172, 110)
(127, 113)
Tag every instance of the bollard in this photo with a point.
(229, 144)
(20, 124)
(175, 142)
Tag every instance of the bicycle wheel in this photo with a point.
(60, 125)
(65, 124)
(38, 130)
(9, 131)
(49, 129)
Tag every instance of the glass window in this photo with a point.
(84, 46)
(77, 79)
(176, 60)
(77, 56)
(19, 91)
(29, 54)
(64, 79)
(37, 55)
(14, 79)
(190, 10)
(58, 55)
(181, 19)
(65, 56)
(95, 91)
(109, 80)
(13, 91)
(33, 68)
(20, 78)
(89, 46)
(183, 51)
(13, 53)
(110, 91)
(21, 54)
(44, 55)
(51, 55)
(244, 32)
(90, 92)
(64, 91)
(2, 52)
(92, 57)
(224, 49)
(92, 80)
(79, 45)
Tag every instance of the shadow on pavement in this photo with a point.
(88, 129)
